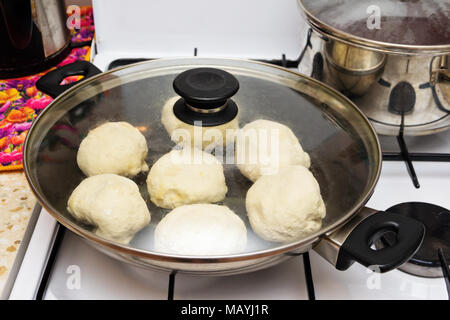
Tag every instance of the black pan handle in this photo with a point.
(50, 82)
(357, 245)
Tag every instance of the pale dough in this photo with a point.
(186, 176)
(263, 147)
(201, 229)
(285, 206)
(199, 137)
(113, 147)
(112, 204)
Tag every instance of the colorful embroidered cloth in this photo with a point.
(21, 102)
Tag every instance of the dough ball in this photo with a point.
(112, 204)
(285, 206)
(186, 176)
(201, 229)
(210, 136)
(113, 147)
(263, 147)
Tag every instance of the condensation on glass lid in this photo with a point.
(418, 22)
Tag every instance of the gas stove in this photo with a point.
(60, 265)
(71, 269)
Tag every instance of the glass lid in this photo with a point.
(404, 23)
(344, 150)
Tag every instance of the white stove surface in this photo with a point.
(80, 272)
(102, 277)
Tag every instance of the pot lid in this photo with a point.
(385, 24)
(342, 144)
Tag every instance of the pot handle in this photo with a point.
(50, 83)
(353, 242)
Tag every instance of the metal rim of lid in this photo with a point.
(137, 252)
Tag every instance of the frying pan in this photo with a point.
(344, 150)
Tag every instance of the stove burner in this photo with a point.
(425, 262)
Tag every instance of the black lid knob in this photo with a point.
(205, 88)
(206, 94)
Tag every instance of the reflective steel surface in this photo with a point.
(389, 81)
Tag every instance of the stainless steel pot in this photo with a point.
(343, 146)
(33, 36)
(399, 71)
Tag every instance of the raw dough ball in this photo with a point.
(257, 154)
(211, 136)
(113, 147)
(186, 176)
(112, 203)
(285, 206)
(201, 229)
